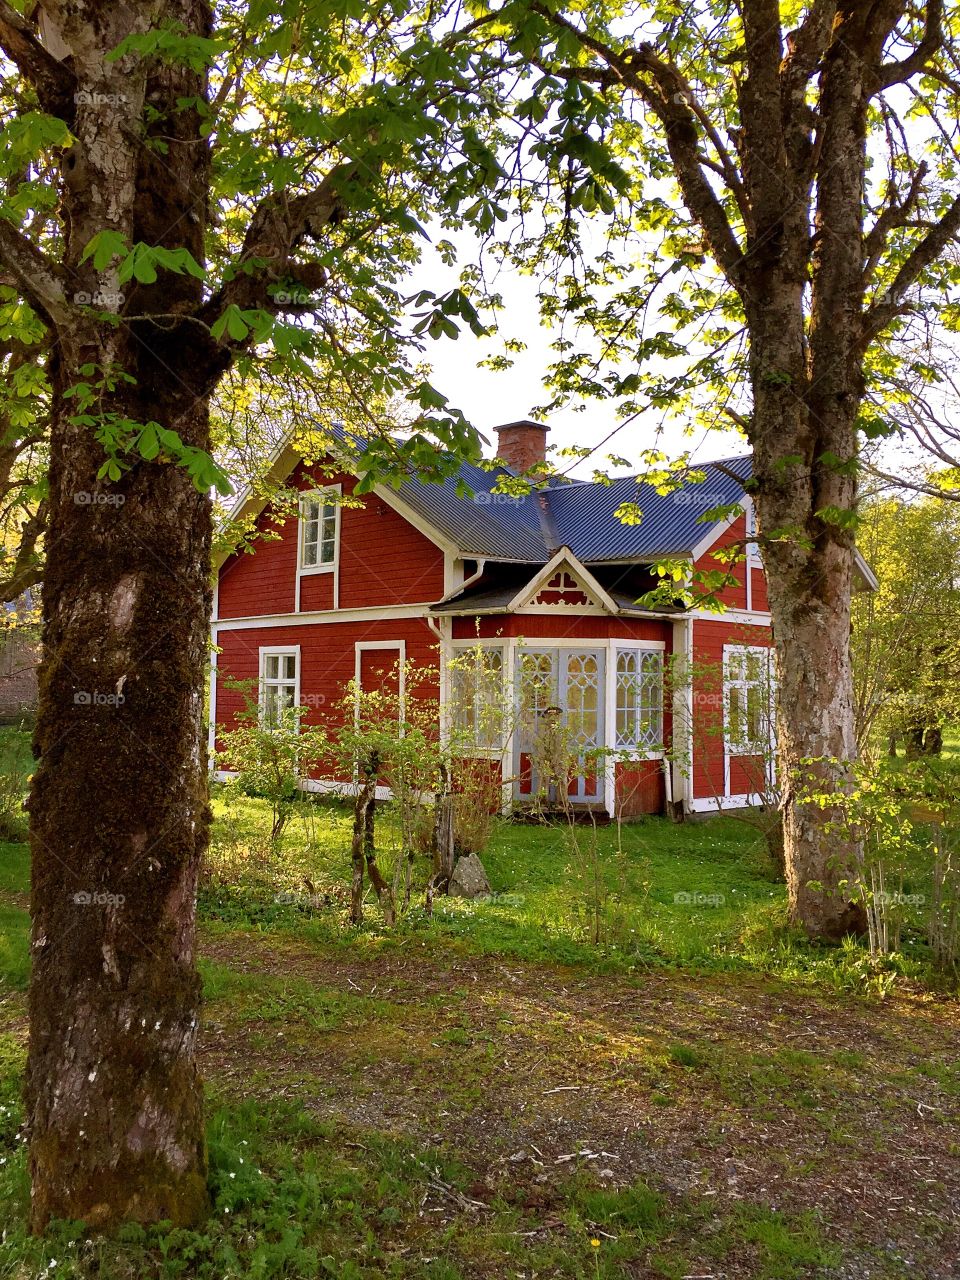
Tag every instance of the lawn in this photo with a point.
(621, 1065)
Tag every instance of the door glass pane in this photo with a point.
(538, 692)
(583, 698)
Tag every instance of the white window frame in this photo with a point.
(751, 559)
(319, 495)
(637, 749)
(497, 747)
(738, 747)
(277, 651)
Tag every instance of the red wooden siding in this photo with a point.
(316, 592)
(383, 560)
(545, 626)
(263, 581)
(758, 586)
(327, 660)
(733, 596)
(709, 637)
(639, 788)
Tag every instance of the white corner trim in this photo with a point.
(870, 579)
(212, 700)
(750, 618)
(321, 617)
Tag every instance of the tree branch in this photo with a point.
(805, 49)
(54, 82)
(27, 569)
(922, 256)
(896, 214)
(36, 277)
(897, 72)
(278, 225)
(671, 100)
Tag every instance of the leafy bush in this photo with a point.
(905, 820)
(14, 781)
(270, 757)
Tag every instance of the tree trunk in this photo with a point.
(809, 578)
(444, 852)
(118, 808)
(806, 375)
(362, 848)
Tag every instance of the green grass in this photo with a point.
(651, 894)
(310, 1018)
(297, 1197)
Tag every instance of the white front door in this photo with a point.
(560, 702)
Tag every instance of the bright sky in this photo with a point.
(490, 397)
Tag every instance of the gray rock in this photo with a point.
(469, 880)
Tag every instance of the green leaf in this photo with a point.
(104, 247)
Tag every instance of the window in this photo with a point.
(318, 531)
(639, 699)
(478, 700)
(746, 699)
(279, 684)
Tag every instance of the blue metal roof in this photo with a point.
(497, 526)
(580, 515)
(670, 523)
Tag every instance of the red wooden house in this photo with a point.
(548, 586)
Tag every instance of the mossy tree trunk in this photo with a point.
(118, 808)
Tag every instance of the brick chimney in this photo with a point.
(522, 444)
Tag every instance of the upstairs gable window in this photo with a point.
(319, 529)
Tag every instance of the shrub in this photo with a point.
(14, 780)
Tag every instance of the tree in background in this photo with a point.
(906, 654)
(778, 191)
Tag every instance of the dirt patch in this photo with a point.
(725, 1087)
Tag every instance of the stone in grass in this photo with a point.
(469, 880)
